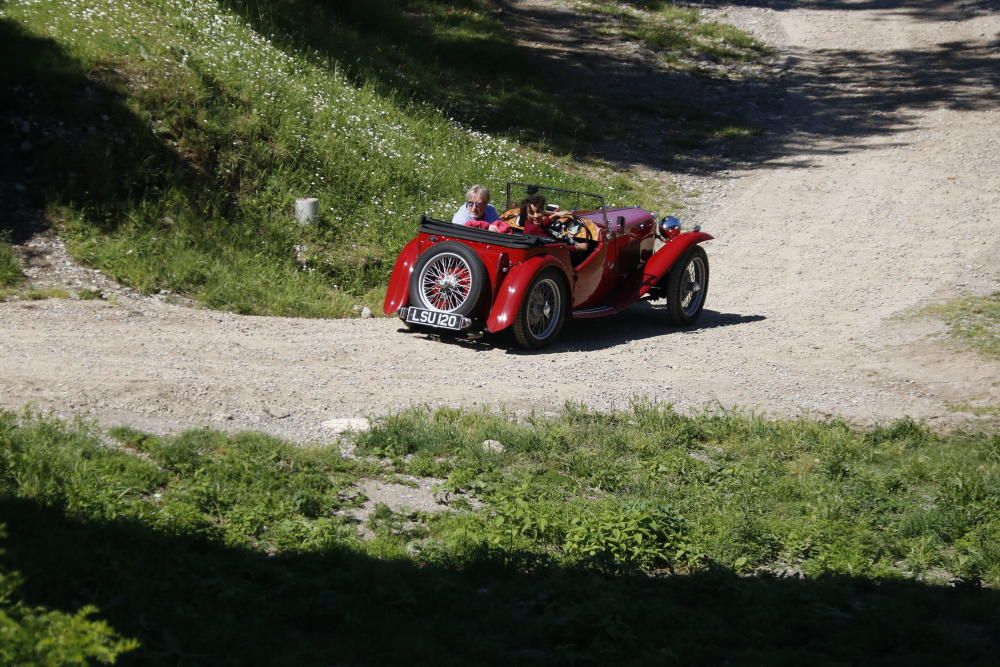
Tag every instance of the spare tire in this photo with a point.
(448, 278)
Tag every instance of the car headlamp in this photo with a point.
(669, 227)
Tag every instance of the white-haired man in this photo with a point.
(476, 207)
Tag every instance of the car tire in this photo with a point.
(449, 277)
(542, 313)
(687, 287)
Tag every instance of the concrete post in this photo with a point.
(306, 210)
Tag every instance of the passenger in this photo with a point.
(477, 208)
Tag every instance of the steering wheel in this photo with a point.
(567, 227)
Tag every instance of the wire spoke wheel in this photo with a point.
(543, 311)
(544, 304)
(446, 282)
(692, 280)
(686, 287)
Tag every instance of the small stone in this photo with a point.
(347, 424)
(366, 313)
(493, 446)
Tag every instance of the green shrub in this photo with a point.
(10, 270)
(31, 635)
(614, 538)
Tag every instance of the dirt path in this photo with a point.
(876, 191)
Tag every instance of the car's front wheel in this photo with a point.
(687, 286)
(543, 311)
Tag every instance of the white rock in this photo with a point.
(339, 426)
(493, 446)
(366, 313)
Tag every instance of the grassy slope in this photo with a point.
(172, 137)
(234, 548)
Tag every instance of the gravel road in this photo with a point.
(876, 192)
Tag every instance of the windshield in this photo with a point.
(566, 200)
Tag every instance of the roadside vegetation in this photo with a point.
(676, 33)
(10, 270)
(639, 536)
(170, 139)
(974, 321)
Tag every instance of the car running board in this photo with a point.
(588, 313)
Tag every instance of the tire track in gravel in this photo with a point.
(864, 213)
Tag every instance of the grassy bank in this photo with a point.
(170, 139)
(640, 536)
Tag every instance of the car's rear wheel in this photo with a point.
(449, 278)
(687, 286)
(543, 311)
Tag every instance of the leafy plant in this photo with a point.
(617, 538)
(10, 270)
(32, 635)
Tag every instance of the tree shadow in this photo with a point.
(543, 80)
(193, 601)
(924, 10)
(71, 139)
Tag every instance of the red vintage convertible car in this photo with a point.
(453, 278)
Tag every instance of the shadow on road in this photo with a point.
(921, 10)
(641, 321)
(809, 102)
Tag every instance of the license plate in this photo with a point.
(434, 318)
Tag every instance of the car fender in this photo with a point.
(511, 293)
(397, 294)
(659, 264)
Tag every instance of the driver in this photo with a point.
(534, 220)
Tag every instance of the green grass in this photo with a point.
(977, 410)
(170, 139)
(974, 321)
(42, 293)
(676, 33)
(639, 536)
(10, 270)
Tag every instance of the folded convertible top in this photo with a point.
(432, 226)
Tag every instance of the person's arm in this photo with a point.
(500, 227)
